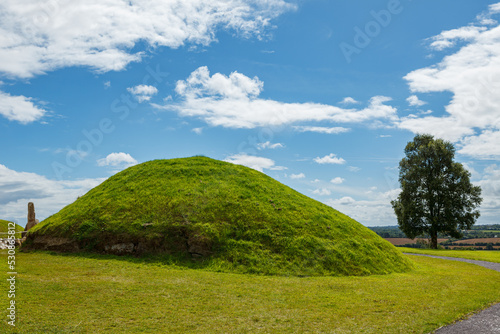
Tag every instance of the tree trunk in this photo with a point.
(434, 240)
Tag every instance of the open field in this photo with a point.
(479, 240)
(109, 294)
(405, 241)
(492, 256)
(469, 247)
(466, 243)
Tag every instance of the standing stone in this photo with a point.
(31, 217)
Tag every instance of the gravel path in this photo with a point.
(485, 322)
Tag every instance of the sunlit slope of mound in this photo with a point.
(213, 214)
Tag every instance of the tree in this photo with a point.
(437, 195)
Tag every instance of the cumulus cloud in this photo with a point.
(349, 100)
(19, 108)
(449, 38)
(117, 160)
(37, 37)
(414, 101)
(257, 163)
(143, 92)
(337, 180)
(269, 145)
(198, 131)
(471, 74)
(233, 102)
(322, 192)
(297, 176)
(330, 159)
(321, 129)
(484, 146)
(375, 210)
(448, 128)
(49, 196)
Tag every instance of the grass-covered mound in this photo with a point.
(4, 228)
(224, 216)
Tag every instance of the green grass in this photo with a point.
(108, 294)
(4, 227)
(235, 219)
(492, 256)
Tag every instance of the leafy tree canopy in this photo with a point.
(437, 195)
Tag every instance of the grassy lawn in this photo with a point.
(492, 256)
(97, 294)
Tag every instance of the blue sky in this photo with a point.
(320, 95)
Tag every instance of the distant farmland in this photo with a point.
(465, 243)
(478, 240)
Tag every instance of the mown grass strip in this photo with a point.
(96, 294)
(491, 256)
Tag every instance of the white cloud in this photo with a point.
(494, 8)
(117, 160)
(297, 176)
(337, 180)
(257, 163)
(198, 131)
(484, 146)
(49, 196)
(269, 145)
(374, 211)
(414, 101)
(353, 169)
(232, 101)
(486, 18)
(471, 73)
(447, 128)
(349, 100)
(330, 159)
(449, 38)
(37, 37)
(346, 200)
(322, 192)
(490, 185)
(143, 92)
(278, 168)
(19, 108)
(321, 129)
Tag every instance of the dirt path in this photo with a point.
(485, 322)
